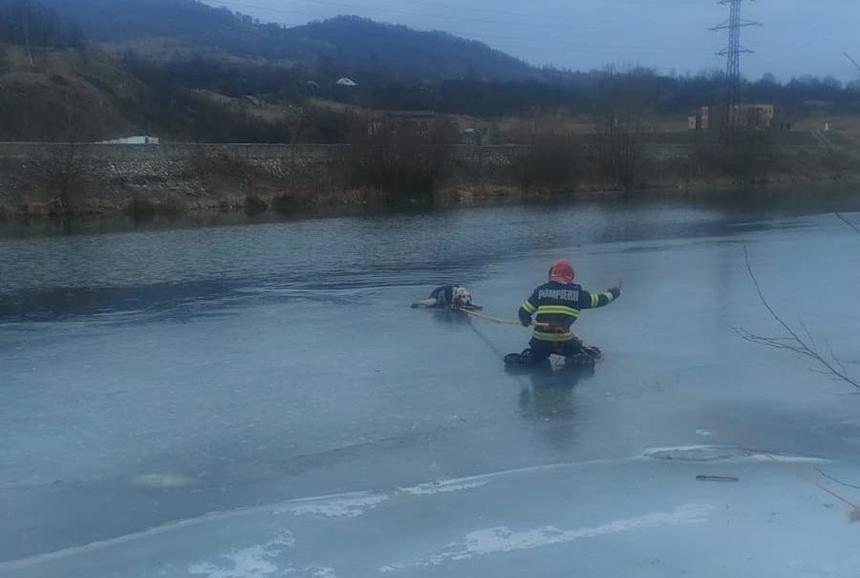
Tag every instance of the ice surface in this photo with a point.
(260, 400)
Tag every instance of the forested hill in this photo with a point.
(97, 69)
(354, 43)
(366, 44)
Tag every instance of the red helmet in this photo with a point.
(562, 272)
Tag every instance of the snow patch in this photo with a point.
(337, 508)
(441, 487)
(700, 453)
(705, 453)
(786, 459)
(503, 539)
(163, 480)
(253, 562)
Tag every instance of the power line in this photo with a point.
(497, 42)
(854, 62)
(558, 23)
(532, 15)
(585, 46)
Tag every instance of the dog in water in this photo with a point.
(448, 297)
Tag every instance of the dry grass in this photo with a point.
(144, 208)
(64, 96)
(266, 111)
(335, 106)
(517, 129)
(847, 126)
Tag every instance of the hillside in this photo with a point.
(356, 45)
(85, 95)
(65, 95)
(367, 45)
(98, 69)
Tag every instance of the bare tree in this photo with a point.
(746, 155)
(65, 176)
(401, 156)
(552, 160)
(620, 149)
(793, 341)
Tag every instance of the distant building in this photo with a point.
(746, 116)
(348, 82)
(693, 121)
(472, 136)
(133, 140)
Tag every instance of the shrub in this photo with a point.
(402, 157)
(65, 177)
(620, 151)
(203, 162)
(747, 155)
(552, 160)
(285, 204)
(255, 204)
(744, 155)
(141, 208)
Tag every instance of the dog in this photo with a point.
(448, 297)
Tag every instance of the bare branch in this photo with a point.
(819, 371)
(764, 302)
(809, 336)
(794, 343)
(833, 479)
(847, 222)
(834, 358)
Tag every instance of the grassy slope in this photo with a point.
(65, 95)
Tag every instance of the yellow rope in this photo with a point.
(490, 318)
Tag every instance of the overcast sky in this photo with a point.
(797, 37)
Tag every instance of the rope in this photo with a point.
(520, 379)
(491, 318)
(500, 320)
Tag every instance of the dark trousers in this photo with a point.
(541, 350)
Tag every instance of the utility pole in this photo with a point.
(733, 52)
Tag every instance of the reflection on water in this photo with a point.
(548, 399)
(549, 395)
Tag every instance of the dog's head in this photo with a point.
(462, 297)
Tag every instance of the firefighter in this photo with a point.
(555, 306)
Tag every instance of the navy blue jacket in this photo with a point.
(556, 306)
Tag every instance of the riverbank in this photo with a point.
(57, 180)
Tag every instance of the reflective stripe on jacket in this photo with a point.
(556, 306)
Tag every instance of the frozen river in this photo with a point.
(236, 401)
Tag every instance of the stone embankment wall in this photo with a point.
(163, 161)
